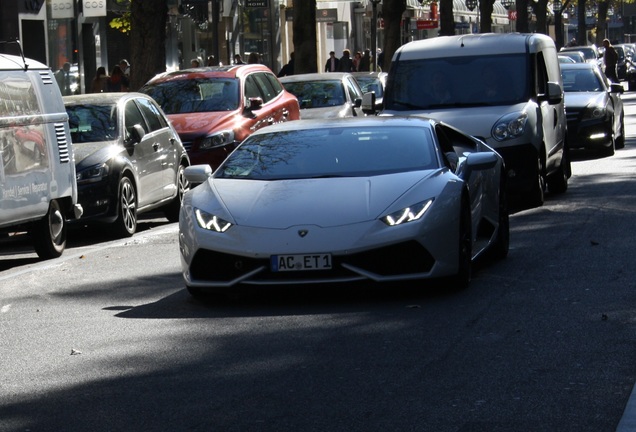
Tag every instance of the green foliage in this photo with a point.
(122, 23)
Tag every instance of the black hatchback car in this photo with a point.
(128, 159)
(593, 107)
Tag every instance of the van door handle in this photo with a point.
(155, 146)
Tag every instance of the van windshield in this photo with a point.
(457, 82)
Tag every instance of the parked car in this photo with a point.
(381, 199)
(215, 108)
(594, 108)
(591, 53)
(575, 56)
(372, 82)
(128, 159)
(325, 95)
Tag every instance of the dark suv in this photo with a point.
(215, 108)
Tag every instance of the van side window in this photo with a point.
(542, 75)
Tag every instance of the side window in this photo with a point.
(266, 87)
(152, 115)
(251, 88)
(132, 117)
(542, 74)
(353, 94)
(276, 85)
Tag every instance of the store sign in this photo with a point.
(327, 15)
(424, 24)
(94, 8)
(61, 9)
(512, 15)
(256, 3)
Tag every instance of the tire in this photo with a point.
(502, 241)
(171, 211)
(536, 197)
(619, 143)
(126, 223)
(49, 234)
(558, 181)
(461, 280)
(609, 150)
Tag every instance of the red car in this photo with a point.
(214, 108)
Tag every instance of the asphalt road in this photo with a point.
(106, 338)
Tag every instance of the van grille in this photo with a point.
(62, 142)
(46, 77)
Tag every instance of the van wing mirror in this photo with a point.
(554, 94)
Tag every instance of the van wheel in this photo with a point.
(172, 209)
(558, 181)
(126, 223)
(536, 197)
(49, 233)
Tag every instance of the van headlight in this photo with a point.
(510, 126)
(218, 139)
(93, 173)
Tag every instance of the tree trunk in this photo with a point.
(446, 18)
(392, 11)
(581, 34)
(541, 11)
(485, 15)
(305, 46)
(601, 23)
(523, 17)
(147, 41)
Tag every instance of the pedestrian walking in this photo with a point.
(117, 81)
(365, 61)
(64, 80)
(98, 85)
(332, 63)
(345, 64)
(288, 69)
(610, 58)
(238, 60)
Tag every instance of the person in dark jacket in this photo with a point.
(333, 63)
(345, 64)
(610, 58)
(288, 69)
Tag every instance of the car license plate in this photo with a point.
(282, 263)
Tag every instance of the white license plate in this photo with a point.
(282, 263)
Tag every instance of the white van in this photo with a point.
(38, 191)
(505, 89)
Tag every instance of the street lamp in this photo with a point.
(471, 4)
(374, 28)
(507, 3)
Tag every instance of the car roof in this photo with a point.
(327, 76)
(579, 66)
(346, 122)
(101, 98)
(229, 71)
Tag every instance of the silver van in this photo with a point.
(38, 191)
(505, 89)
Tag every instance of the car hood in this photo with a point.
(89, 154)
(339, 111)
(199, 123)
(324, 202)
(583, 99)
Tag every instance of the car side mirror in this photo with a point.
(137, 133)
(368, 103)
(616, 88)
(197, 174)
(255, 104)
